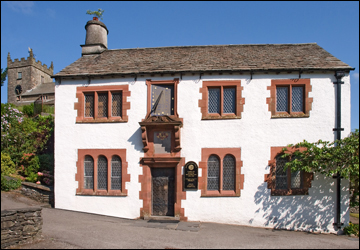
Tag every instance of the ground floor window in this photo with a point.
(221, 168)
(102, 172)
(283, 181)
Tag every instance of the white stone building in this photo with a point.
(132, 126)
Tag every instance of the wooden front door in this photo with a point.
(163, 191)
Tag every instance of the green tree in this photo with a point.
(97, 13)
(3, 76)
(328, 158)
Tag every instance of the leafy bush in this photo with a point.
(30, 166)
(352, 229)
(46, 162)
(7, 165)
(48, 109)
(9, 184)
(46, 178)
(22, 140)
(28, 110)
(97, 13)
(28, 136)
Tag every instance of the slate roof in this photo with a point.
(211, 58)
(43, 88)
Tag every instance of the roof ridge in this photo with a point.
(216, 45)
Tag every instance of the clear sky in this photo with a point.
(55, 30)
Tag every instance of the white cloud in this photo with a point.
(51, 13)
(21, 6)
(355, 76)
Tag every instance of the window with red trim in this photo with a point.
(102, 104)
(290, 98)
(162, 97)
(221, 172)
(102, 172)
(283, 181)
(221, 100)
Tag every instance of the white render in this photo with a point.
(255, 133)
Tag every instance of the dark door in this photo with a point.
(163, 191)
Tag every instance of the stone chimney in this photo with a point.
(96, 38)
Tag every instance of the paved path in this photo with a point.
(64, 229)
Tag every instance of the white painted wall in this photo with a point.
(255, 133)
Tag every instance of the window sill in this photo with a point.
(223, 194)
(91, 193)
(218, 117)
(293, 115)
(100, 120)
(289, 192)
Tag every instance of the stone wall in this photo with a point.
(37, 192)
(20, 226)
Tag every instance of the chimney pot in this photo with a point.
(96, 37)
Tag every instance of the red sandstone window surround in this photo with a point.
(284, 182)
(221, 172)
(102, 172)
(162, 97)
(102, 104)
(221, 100)
(289, 98)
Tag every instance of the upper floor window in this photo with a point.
(221, 172)
(42, 79)
(102, 104)
(162, 97)
(19, 76)
(283, 181)
(221, 99)
(290, 98)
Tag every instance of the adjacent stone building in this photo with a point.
(30, 80)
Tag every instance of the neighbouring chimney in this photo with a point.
(96, 38)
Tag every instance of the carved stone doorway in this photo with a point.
(163, 191)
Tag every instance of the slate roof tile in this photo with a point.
(205, 59)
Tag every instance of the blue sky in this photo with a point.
(55, 30)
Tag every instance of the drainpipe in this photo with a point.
(338, 129)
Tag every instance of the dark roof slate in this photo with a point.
(42, 88)
(211, 58)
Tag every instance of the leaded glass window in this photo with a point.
(89, 105)
(297, 102)
(102, 170)
(281, 173)
(116, 173)
(213, 173)
(296, 179)
(229, 173)
(282, 99)
(229, 100)
(116, 104)
(88, 172)
(214, 100)
(102, 104)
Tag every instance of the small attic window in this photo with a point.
(19, 76)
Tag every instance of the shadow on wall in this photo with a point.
(136, 140)
(313, 212)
